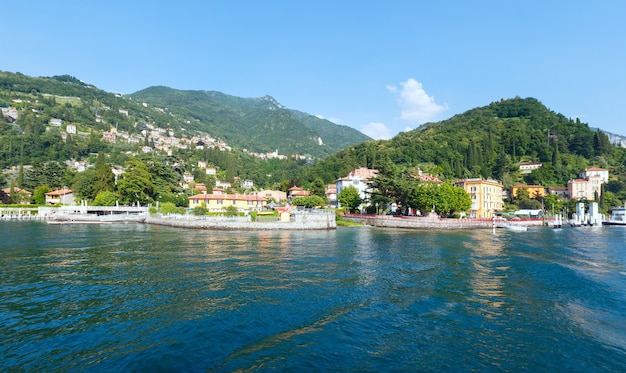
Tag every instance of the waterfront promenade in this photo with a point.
(431, 222)
(299, 220)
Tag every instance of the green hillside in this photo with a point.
(166, 131)
(257, 124)
(490, 142)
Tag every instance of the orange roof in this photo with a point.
(16, 190)
(228, 197)
(59, 192)
(595, 169)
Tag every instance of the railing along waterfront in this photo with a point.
(432, 221)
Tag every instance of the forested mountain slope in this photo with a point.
(489, 141)
(257, 124)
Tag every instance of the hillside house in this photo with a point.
(296, 191)
(526, 168)
(272, 195)
(534, 191)
(602, 173)
(559, 191)
(222, 184)
(418, 174)
(23, 194)
(60, 197)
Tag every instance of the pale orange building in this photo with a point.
(534, 191)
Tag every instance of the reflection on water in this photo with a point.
(490, 265)
(145, 298)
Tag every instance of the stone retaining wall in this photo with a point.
(299, 221)
(428, 222)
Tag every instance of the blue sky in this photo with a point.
(380, 67)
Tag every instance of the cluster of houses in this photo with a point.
(56, 197)
(487, 195)
(163, 139)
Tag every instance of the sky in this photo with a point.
(379, 67)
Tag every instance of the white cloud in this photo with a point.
(377, 131)
(391, 88)
(331, 119)
(415, 103)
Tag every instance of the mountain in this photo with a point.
(257, 124)
(616, 139)
(489, 141)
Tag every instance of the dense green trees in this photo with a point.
(489, 141)
(349, 199)
(309, 201)
(105, 198)
(394, 185)
(135, 184)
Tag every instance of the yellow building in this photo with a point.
(219, 202)
(534, 191)
(486, 195)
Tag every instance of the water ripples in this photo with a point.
(144, 298)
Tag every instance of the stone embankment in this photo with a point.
(300, 220)
(428, 222)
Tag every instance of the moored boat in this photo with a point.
(618, 217)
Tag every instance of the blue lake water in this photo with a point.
(134, 297)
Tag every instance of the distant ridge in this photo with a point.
(257, 124)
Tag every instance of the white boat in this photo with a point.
(513, 227)
(618, 217)
(516, 228)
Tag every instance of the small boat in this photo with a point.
(513, 227)
(516, 228)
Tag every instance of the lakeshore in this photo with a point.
(297, 219)
(309, 219)
(434, 222)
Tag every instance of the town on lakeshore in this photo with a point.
(251, 210)
(70, 152)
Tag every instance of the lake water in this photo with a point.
(134, 297)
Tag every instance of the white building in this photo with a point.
(359, 179)
(595, 171)
(527, 168)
